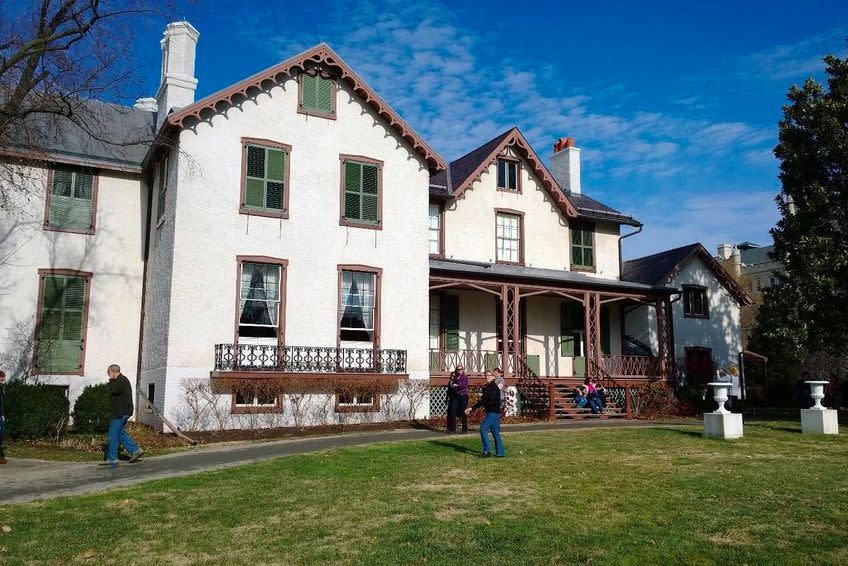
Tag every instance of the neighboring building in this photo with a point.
(753, 264)
(707, 325)
(261, 259)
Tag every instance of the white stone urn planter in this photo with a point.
(721, 393)
(817, 393)
(721, 423)
(818, 419)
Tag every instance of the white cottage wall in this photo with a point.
(113, 254)
(210, 231)
(470, 222)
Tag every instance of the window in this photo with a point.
(772, 281)
(62, 320)
(358, 306)
(361, 185)
(71, 201)
(508, 176)
(259, 300)
(151, 392)
(695, 302)
(435, 321)
(435, 228)
(356, 402)
(255, 399)
(317, 96)
(162, 176)
(582, 246)
(508, 231)
(265, 178)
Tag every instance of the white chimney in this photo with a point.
(148, 104)
(177, 83)
(725, 251)
(565, 165)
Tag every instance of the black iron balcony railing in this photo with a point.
(308, 359)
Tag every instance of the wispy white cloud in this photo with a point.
(795, 61)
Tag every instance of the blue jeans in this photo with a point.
(2, 437)
(492, 422)
(118, 435)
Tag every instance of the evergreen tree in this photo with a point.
(808, 311)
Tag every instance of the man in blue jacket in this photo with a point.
(121, 409)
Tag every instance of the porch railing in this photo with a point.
(474, 361)
(308, 359)
(631, 366)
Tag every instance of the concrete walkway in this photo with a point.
(24, 480)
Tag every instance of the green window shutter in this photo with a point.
(61, 324)
(309, 92)
(566, 317)
(361, 192)
(265, 175)
(324, 96)
(450, 312)
(71, 199)
(369, 193)
(605, 329)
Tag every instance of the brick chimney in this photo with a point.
(565, 165)
(177, 83)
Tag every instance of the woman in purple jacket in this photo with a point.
(458, 399)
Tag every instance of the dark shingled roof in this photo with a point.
(501, 271)
(462, 168)
(114, 136)
(754, 256)
(653, 269)
(657, 269)
(444, 184)
(589, 208)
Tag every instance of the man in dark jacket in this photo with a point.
(2, 415)
(121, 408)
(491, 403)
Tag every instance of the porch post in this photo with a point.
(505, 330)
(592, 332)
(515, 323)
(665, 347)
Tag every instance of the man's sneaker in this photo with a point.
(113, 463)
(136, 456)
(486, 455)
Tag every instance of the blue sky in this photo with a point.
(675, 105)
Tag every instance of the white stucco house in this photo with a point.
(706, 314)
(289, 251)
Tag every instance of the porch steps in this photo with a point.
(565, 409)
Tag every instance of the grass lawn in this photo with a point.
(659, 495)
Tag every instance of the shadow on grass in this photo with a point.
(776, 427)
(684, 432)
(453, 446)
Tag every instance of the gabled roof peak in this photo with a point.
(321, 54)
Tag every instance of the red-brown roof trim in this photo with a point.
(319, 55)
(516, 138)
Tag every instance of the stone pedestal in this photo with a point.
(723, 425)
(819, 421)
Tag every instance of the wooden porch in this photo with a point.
(549, 395)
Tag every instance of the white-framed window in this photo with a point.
(508, 231)
(259, 300)
(358, 304)
(434, 225)
(361, 400)
(255, 397)
(508, 175)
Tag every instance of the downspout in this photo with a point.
(620, 260)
